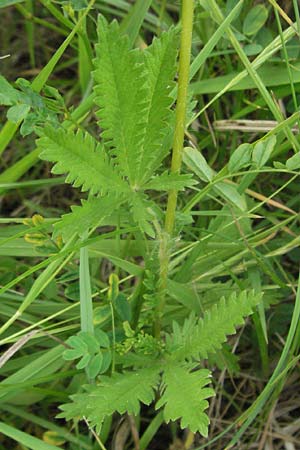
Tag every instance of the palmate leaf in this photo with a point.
(90, 214)
(197, 338)
(82, 158)
(119, 393)
(184, 397)
(121, 89)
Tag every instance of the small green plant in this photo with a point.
(146, 357)
(185, 212)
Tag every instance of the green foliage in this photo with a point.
(91, 214)
(120, 392)
(183, 390)
(121, 95)
(121, 163)
(85, 161)
(87, 347)
(184, 396)
(255, 19)
(133, 93)
(196, 162)
(197, 338)
(27, 106)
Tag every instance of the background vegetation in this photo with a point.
(245, 83)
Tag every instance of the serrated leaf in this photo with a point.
(82, 158)
(166, 182)
(91, 214)
(133, 91)
(184, 397)
(197, 338)
(160, 64)
(119, 393)
(121, 90)
(140, 207)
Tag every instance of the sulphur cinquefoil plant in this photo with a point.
(146, 356)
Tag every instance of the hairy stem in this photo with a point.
(183, 82)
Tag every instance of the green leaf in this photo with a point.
(89, 215)
(25, 439)
(102, 338)
(8, 94)
(113, 290)
(5, 3)
(17, 113)
(141, 207)
(166, 181)
(293, 162)
(123, 308)
(263, 150)
(69, 354)
(160, 63)
(84, 361)
(230, 194)
(121, 90)
(135, 101)
(106, 361)
(133, 20)
(280, 165)
(76, 342)
(119, 393)
(197, 163)
(78, 5)
(252, 49)
(184, 397)
(240, 158)
(197, 338)
(90, 341)
(79, 155)
(255, 20)
(94, 366)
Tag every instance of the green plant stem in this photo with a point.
(180, 119)
(86, 302)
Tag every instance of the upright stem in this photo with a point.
(183, 82)
(86, 302)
